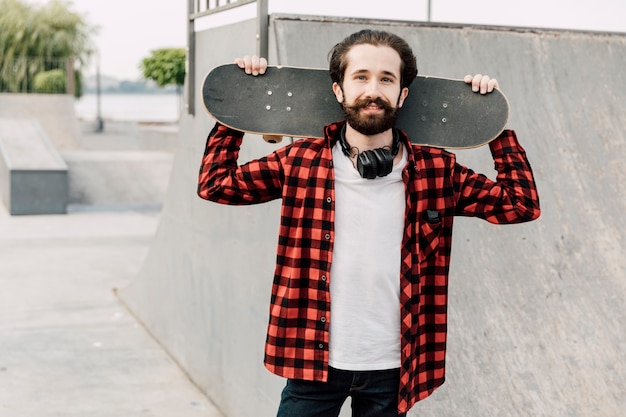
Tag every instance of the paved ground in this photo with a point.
(68, 347)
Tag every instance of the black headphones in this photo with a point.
(375, 162)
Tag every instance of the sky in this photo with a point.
(128, 30)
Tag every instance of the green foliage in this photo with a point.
(165, 66)
(50, 82)
(54, 82)
(35, 39)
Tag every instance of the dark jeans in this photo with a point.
(374, 394)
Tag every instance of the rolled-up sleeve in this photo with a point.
(511, 198)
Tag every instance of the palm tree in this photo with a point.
(33, 40)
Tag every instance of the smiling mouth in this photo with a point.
(372, 107)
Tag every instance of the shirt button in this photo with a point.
(329, 200)
(327, 236)
(323, 277)
(321, 346)
(323, 319)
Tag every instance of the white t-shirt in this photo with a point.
(365, 269)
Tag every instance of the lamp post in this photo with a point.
(99, 121)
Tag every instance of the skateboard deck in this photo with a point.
(299, 102)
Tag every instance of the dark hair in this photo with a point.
(337, 55)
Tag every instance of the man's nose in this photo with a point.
(372, 89)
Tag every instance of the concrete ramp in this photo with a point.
(537, 317)
(55, 113)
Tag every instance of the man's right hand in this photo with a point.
(252, 64)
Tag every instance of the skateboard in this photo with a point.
(299, 102)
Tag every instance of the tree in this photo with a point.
(36, 39)
(166, 66)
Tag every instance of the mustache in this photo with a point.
(362, 103)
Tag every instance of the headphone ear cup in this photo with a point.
(375, 162)
(366, 164)
(384, 162)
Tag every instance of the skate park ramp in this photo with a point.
(536, 318)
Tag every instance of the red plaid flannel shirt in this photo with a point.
(301, 174)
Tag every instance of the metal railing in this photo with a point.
(197, 9)
(37, 75)
(206, 7)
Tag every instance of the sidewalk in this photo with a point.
(68, 347)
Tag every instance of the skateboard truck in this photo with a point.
(272, 138)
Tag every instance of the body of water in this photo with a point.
(129, 107)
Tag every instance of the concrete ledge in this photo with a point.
(33, 176)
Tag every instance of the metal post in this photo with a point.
(262, 41)
(70, 84)
(191, 60)
(429, 16)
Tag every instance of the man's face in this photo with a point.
(371, 91)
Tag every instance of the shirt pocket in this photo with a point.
(429, 232)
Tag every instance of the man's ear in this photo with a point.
(338, 92)
(403, 94)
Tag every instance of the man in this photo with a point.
(359, 297)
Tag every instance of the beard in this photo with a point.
(370, 124)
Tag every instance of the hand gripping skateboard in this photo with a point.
(299, 102)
